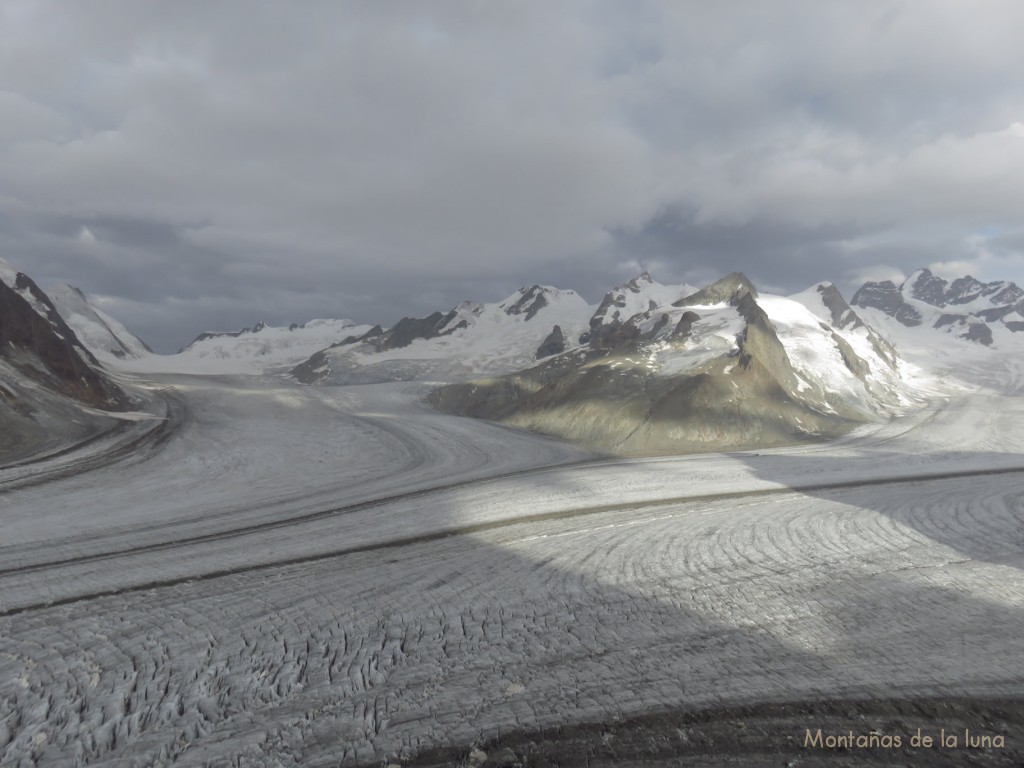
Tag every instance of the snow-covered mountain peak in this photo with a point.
(529, 300)
(469, 339)
(43, 305)
(255, 329)
(966, 307)
(966, 292)
(925, 286)
(636, 284)
(101, 334)
(639, 295)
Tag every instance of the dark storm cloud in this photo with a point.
(211, 164)
(771, 252)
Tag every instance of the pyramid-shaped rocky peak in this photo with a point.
(728, 290)
(843, 316)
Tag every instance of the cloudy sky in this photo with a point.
(205, 165)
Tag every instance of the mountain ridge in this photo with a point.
(965, 307)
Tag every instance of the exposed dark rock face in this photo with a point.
(611, 335)
(224, 335)
(313, 369)
(929, 288)
(554, 344)
(843, 316)
(660, 323)
(531, 301)
(615, 334)
(949, 319)
(980, 333)
(964, 290)
(615, 299)
(607, 325)
(886, 296)
(685, 325)
(46, 350)
(760, 340)
(1009, 293)
(606, 309)
(856, 364)
(372, 333)
(935, 291)
(973, 329)
(939, 293)
(408, 329)
(729, 289)
(998, 313)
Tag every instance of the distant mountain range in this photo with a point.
(964, 307)
(715, 368)
(651, 368)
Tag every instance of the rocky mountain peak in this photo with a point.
(888, 298)
(926, 287)
(728, 290)
(636, 284)
(530, 301)
(35, 340)
(843, 316)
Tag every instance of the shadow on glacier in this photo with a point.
(985, 524)
(472, 639)
(384, 654)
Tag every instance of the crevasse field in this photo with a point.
(257, 573)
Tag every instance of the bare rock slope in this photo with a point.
(46, 374)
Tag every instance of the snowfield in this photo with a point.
(264, 574)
